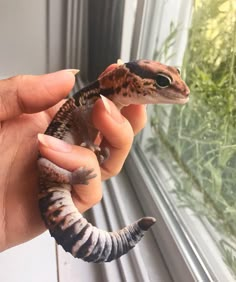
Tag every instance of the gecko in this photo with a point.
(135, 82)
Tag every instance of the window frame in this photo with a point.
(181, 251)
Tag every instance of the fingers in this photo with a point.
(118, 132)
(72, 157)
(136, 115)
(29, 94)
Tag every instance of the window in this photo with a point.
(186, 156)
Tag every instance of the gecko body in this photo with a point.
(138, 82)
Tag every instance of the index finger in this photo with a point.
(30, 94)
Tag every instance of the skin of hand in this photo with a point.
(27, 105)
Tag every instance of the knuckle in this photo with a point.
(18, 81)
(10, 101)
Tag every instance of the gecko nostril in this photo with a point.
(186, 91)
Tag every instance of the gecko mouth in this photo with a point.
(173, 98)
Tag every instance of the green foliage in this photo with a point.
(229, 253)
(163, 54)
(201, 136)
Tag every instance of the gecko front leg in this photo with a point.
(83, 127)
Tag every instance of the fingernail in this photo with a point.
(112, 110)
(73, 71)
(106, 104)
(54, 143)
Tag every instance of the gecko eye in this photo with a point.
(163, 81)
(178, 70)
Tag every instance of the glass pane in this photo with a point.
(197, 142)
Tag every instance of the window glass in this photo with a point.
(196, 143)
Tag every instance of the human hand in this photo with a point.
(27, 105)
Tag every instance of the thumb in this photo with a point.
(30, 94)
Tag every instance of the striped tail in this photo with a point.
(77, 236)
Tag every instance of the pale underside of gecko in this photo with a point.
(138, 82)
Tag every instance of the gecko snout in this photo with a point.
(186, 93)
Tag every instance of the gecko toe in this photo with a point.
(103, 155)
(91, 146)
(82, 175)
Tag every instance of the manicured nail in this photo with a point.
(106, 104)
(112, 110)
(54, 143)
(74, 71)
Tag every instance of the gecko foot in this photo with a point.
(82, 175)
(101, 153)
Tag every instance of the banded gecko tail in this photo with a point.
(79, 237)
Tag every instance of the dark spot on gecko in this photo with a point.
(125, 94)
(132, 89)
(146, 83)
(56, 212)
(119, 73)
(125, 84)
(118, 89)
(110, 77)
(52, 222)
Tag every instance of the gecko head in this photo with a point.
(156, 83)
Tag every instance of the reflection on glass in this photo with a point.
(201, 136)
